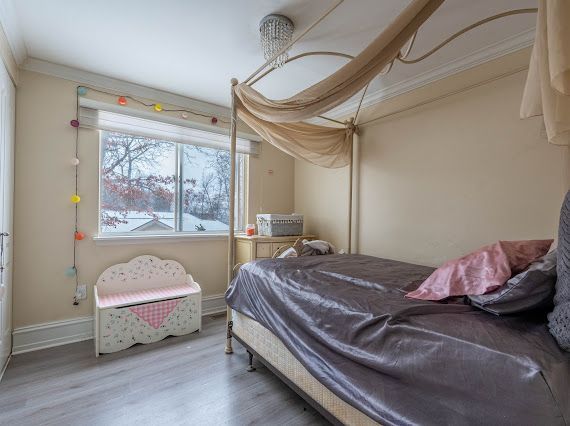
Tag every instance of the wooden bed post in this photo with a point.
(231, 245)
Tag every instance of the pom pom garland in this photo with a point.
(156, 106)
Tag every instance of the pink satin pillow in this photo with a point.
(481, 271)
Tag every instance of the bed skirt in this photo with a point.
(273, 351)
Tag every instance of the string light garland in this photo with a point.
(75, 199)
(156, 106)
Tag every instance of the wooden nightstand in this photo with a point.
(261, 247)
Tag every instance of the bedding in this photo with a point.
(559, 318)
(482, 271)
(405, 361)
(532, 289)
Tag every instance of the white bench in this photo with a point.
(144, 301)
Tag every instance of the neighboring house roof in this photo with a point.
(153, 225)
(164, 221)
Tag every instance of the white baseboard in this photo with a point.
(56, 333)
(49, 334)
(213, 304)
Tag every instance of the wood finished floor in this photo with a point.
(184, 380)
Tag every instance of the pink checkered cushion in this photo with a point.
(142, 296)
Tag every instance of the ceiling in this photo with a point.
(194, 47)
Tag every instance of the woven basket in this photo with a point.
(279, 225)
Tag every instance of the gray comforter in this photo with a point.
(400, 361)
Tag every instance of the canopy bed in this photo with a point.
(377, 367)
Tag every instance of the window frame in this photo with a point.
(177, 234)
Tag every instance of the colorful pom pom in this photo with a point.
(74, 123)
(214, 120)
(82, 91)
(75, 198)
(71, 271)
(75, 161)
(79, 235)
(122, 100)
(157, 107)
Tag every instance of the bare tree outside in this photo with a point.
(131, 180)
(207, 197)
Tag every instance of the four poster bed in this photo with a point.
(337, 328)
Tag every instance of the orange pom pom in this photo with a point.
(79, 235)
(122, 100)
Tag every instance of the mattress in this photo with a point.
(268, 346)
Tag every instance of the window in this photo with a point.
(160, 187)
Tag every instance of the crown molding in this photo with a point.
(13, 31)
(486, 54)
(121, 86)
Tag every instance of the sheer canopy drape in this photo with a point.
(348, 80)
(280, 121)
(324, 146)
(547, 90)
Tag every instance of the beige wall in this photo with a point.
(439, 180)
(43, 218)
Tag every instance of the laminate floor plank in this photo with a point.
(186, 380)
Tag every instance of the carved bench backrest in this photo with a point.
(142, 272)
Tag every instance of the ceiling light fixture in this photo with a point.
(276, 31)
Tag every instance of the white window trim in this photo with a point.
(178, 237)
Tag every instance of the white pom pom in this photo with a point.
(75, 161)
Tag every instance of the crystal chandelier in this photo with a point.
(276, 32)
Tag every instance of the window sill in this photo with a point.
(104, 240)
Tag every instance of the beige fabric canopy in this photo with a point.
(348, 80)
(547, 90)
(280, 121)
(324, 146)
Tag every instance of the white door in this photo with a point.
(7, 124)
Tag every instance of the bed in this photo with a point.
(340, 332)
(338, 329)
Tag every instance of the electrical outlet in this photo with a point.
(81, 292)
